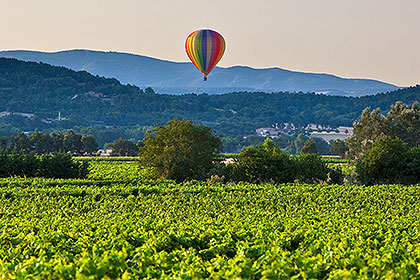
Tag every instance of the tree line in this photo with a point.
(45, 143)
(386, 149)
(45, 90)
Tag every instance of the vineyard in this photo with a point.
(118, 224)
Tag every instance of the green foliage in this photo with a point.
(266, 163)
(402, 121)
(311, 168)
(55, 165)
(21, 144)
(44, 143)
(387, 162)
(4, 143)
(300, 142)
(263, 163)
(45, 90)
(59, 165)
(339, 147)
(180, 150)
(90, 229)
(108, 134)
(237, 143)
(115, 169)
(123, 147)
(309, 147)
(90, 146)
(322, 146)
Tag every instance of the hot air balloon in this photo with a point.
(205, 48)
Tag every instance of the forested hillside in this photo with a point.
(85, 100)
(181, 77)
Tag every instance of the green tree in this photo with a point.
(4, 143)
(58, 142)
(309, 147)
(263, 163)
(42, 143)
(73, 143)
(300, 142)
(21, 144)
(386, 162)
(90, 146)
(180, 150)
(322, 146)
(311, 168)
(339, 147)
(123, 147)
(402, 121)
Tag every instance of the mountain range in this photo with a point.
(169, 77)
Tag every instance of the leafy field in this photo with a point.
(108, 227)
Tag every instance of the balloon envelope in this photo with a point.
(205, 48)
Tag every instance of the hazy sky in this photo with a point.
(377, 39)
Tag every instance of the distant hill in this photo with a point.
(37, 95)
(179, 78)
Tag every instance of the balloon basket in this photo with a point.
(205, 78)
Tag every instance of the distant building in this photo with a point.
(326, 132)
(95, 94)
(6, 113)
(272, 131)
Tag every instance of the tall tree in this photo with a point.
(402, 121)
(309, 147)
(123, 147)
(339, 147)
(90, 146)
(180, 150)
(21, 143)
(300, 142)
(73, 143)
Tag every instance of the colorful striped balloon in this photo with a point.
(205, 48)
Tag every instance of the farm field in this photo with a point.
(117, 224)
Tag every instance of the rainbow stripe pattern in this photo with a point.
(205, 48)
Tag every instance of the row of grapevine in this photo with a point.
(108, 227)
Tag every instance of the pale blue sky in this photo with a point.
(377, 39)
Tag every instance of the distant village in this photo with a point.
(326, 132)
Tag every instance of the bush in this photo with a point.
(267, 163)
(60, 165)
(49, 166)
(387, 162)
(25, 165)
(335, 176)
(413, 166)
(311, 168)
(263, 163)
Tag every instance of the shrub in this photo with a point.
(311, 168)
(26, 165)
(61, 165)
(263, 163)
(413, 166)
(49, 166)
(335, 176)
(386, 162)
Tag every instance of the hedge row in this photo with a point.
(56, 165)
